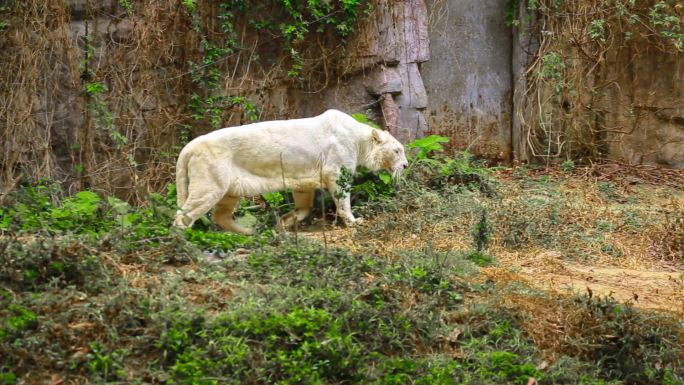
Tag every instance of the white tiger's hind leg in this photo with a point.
(201, 198)
(223, 216)
(303, 203)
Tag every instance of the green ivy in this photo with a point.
(4, 24)
(344, 182)
(212, 108)
(664, 18)
(287, 22)
(127, 5)
(362, 118)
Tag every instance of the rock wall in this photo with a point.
(618, 99)
(381, 72)
(468, 78)
(646, 115)
(119, 138)
(478, 76)
(450, 67)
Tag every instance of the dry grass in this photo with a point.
(594, 230)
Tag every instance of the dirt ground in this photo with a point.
(661, 289)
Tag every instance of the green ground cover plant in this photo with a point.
(95, 290)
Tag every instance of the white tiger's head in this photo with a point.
(386, 153)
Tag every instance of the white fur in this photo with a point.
(219, 168)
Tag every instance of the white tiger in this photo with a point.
(219, 168)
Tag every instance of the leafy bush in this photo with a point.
(482, 232)
(502, 366)
(17, 319)
(362, 118)
(39, 263)
(438, 171)
(479, 258)
(598, 339)
(108, 366)
(7, 378)
(369, 187)
(86, 215)
(628, 345)
(316, 319)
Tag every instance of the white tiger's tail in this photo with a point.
(182, 179)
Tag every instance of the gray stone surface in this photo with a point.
(385, 80)
(390, 46)
(468, 77)
(646, 112)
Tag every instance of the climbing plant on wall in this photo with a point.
(105, 93)
(287, 26)
(573, 81)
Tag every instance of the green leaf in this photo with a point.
(5, 218)
(428, 144)
(127, 220)
(87, 197)
(432, 140)
(385, 177)
(190, 4)
(94, 88)
(274, 199)
(362, 118)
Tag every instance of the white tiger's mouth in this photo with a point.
(396, 173)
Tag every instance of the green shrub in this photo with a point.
(108, 366)
(15, 320)
(40, 263)
(301, 345)
(481, 232)
(218, 240)
(628, 344)
(479, 258)
(430, 166)
(7, 378)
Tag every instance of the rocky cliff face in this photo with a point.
(93, 94)
(596, 82)
(381, 73)
(469, 76)
(449, 67)
(646, 112)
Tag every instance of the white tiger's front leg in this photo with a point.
(342, 203)
(344, 210)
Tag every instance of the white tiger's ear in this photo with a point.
(378, 136)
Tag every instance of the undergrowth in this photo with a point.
(95, 290)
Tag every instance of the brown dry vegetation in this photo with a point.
(591, 86)
(94, 96)
(612, 230)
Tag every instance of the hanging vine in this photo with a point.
(286, 25)
(571, 87)
(112, 105)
